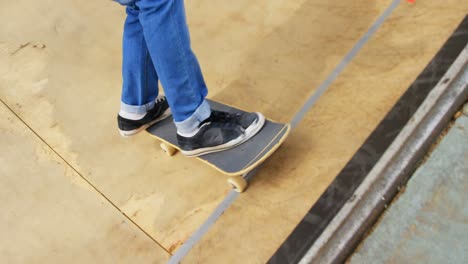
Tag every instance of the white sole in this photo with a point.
(129, 133)
(248, 134)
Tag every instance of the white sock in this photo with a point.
(191, 133)
(188, 134)
(131, 116)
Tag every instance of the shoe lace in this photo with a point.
(224, 119)
(160, 99)
(222, 116)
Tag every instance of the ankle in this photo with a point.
(190, 126)
(131, 116)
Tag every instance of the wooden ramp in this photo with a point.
(78, 191)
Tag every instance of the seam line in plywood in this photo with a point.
(84, 178)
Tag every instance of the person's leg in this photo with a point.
(199, 130)
(167, 37)
(140, 81)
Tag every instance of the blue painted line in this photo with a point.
(342, 65)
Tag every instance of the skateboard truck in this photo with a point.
(237, 182)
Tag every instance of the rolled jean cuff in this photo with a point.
(136, 109)
(191, 124)
(126, 2)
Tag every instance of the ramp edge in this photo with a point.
(369, 200)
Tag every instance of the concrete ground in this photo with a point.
(428, 222)
(74, 191)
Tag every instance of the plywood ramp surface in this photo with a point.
(294, 178)
(51, 215)
(60, 68)
(60, 72)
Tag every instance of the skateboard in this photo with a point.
(237, 161)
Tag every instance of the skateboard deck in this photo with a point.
(238, 160)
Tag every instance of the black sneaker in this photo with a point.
(221, 131)
(160, 111)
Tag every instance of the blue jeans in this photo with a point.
(156, 46)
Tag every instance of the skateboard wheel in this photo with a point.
(238, 183)
(168, 149)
